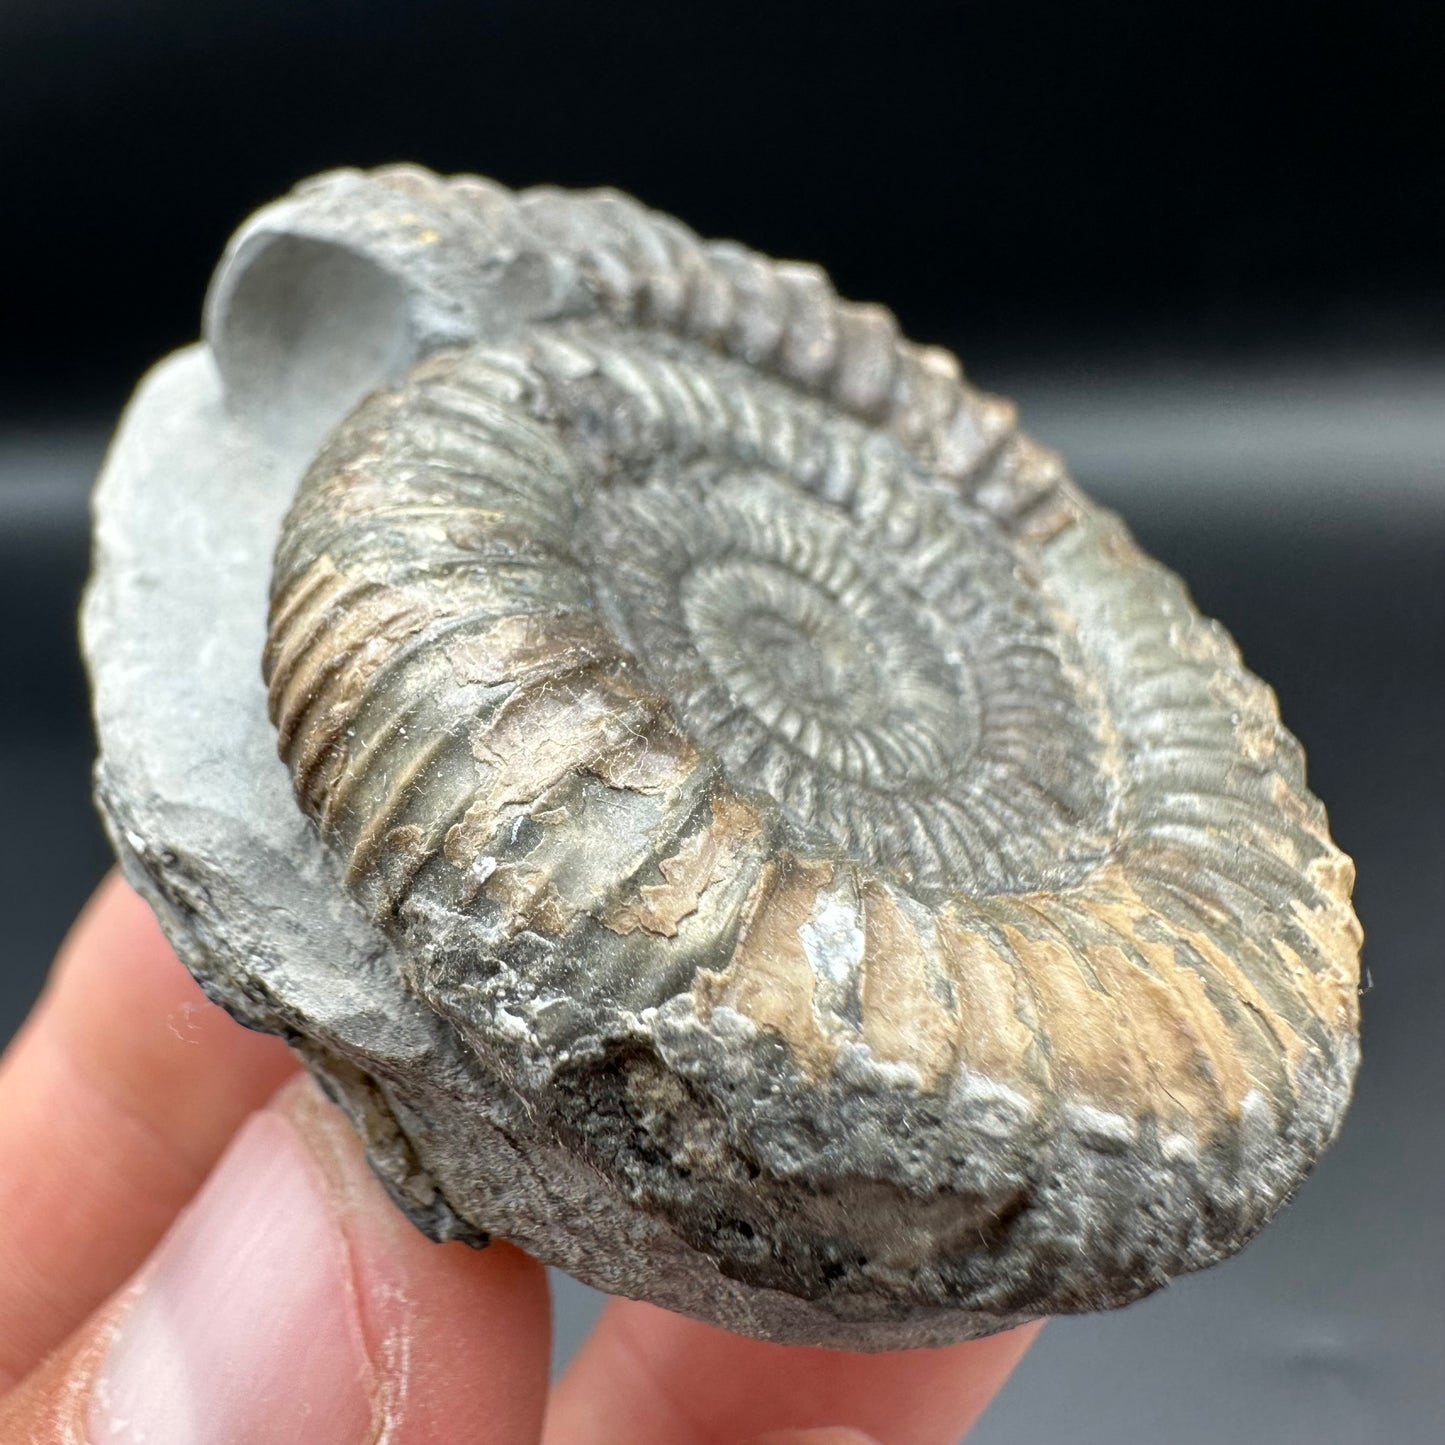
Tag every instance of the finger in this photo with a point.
(116, 1098)
(645, 1374)
(291, 1303)
(814, 1437)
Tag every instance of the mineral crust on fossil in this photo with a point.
(728, 815)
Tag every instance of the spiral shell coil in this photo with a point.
(681, 658)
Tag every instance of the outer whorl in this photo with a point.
(815, 810)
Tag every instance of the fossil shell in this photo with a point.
(821, 819)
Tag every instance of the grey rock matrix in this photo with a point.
(710, 799)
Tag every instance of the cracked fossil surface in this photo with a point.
(710, 798)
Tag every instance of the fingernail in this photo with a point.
(245, 1326)
(828, 1435)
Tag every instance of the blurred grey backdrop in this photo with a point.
(1205, 254)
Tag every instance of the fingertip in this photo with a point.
(48, 1407)
(291, 1303)
(116, 1099)
(113, 909)
(129, 1016)
(828, 1435)
(645, 1373)
(116, 918)
(466, 1332)
(244, 1323)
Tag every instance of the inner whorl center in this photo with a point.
(874, 661)
(844, 679)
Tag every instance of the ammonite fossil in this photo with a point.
(770, 844)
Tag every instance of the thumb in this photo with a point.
(292, 1303)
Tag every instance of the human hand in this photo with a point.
(289, 1303)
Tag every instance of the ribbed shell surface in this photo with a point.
(702, 669)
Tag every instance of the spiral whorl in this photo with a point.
(692, 648)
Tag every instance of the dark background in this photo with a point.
(1204, 248)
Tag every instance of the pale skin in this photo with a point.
(126, 1090)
